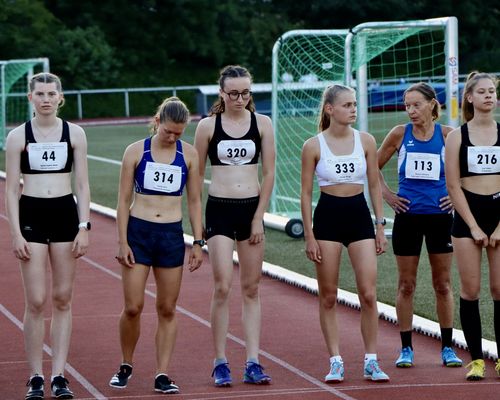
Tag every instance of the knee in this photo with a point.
(442, 288)
(250, 292)
(35, 306)
(165, 311)
(132, 311)
(221, 292)
(62, 301)
(368, 298)
(407, 287)
(328, 300)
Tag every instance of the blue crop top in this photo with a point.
(478, 160)
(46, 158)
(226, 150)
(161, 179)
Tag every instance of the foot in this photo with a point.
(254, 374)
(372, 371)
(497, 367)
(476, 372)
(405, 359)
(120, 379)
(336, 373)
(163, 384)
(222, 375)
(60, 389)
(35, 388)
(449, 358)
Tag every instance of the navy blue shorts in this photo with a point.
(230, 217)
(156, 244)
(48, 220)
(409, 230)
(342, 219)
(486, 210)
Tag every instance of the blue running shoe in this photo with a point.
(222, 375)
(372, 371)
(336, 373)
(449, 358)
(405, 359)
(253, 374)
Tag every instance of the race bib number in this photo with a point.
(346, 169)
(235, 152)
(47, 156)
(483, 159)
(162, 177)
(423, 166)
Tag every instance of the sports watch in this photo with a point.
(380, 221)
(85, 225)
(200, 242)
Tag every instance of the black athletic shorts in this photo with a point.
(342, 219)
(230, 217)
(47, 220)
(484, 208)
(409, 231)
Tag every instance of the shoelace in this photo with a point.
(255, 369)
(336, 367)
(123, 373)
(222, 368)
(373, 366)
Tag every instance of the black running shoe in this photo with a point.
(60, 389)
(35, 391)
(120, 379)
(163, 384)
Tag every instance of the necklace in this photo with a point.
(45, 133)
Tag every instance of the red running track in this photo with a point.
(293, 350)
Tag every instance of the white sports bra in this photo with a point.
(334, 170)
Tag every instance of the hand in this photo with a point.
(257, 231)
(313, 252)
(398, 204)
(479, 236)
(81, 243)
(380, 240)
(445, 204)
(195, 258)
(125, 256)
(495, 237)
(21, 248)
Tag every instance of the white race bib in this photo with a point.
(483, 159)
(346, 169)
(235, 152)
(162, 177)
(47, 156)
(423, 166)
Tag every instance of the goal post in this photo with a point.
(14, 78)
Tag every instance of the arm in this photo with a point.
(268, 171)
(452, 173)
(390, 145)
(310, 156)
(125, 197)
(82, 189)
(201, 142)
(374, 188)
(193, 189)
(14, 147)
(445, 202)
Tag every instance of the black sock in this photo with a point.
(471, 325)
(446, 337)
(406, 339)
(496, 323)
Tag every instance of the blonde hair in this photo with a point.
(471, 82)
(330, 94)
(171, 109)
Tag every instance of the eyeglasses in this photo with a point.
(234, 95)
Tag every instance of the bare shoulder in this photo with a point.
(206, 124)
(311, 144)
(189, 150)
(263, 120)
(75, 130)
(16, 137)
(367, 139)
(446, 129)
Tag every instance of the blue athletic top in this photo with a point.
(46, 158)
(226, 150)
(161, 179)
(478, 160)
(421, 171)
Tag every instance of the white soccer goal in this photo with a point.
(14, 78)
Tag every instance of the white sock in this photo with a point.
(369, 357)
(335, 359)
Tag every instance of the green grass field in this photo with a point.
(110, 142)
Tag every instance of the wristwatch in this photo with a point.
(380, 221)
(85, 225)
(200, 242)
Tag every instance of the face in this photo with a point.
(418, 108)
(484, 95)
(169, 132)
(236, 93)
(344, 108)
(45, 98)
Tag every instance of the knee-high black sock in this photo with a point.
(471, 325)
(446, 337)
(406, 339)
(496, 323)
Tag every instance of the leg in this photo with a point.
(35, 295)
(328, 276)
(63, 275)
(134, 283)
(407, 282)
(220, 251)
(441, 282)
(494, 269)
(168, 284)
(250, 258)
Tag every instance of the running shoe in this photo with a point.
(120, 379)
(449, 358)
(253, 374)
(372, 371)
(476, 372)
(163, 384)
(497, 367)
(336, 373)
(405, 359)
(60, 389)
(222, 375)
(35, 388)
